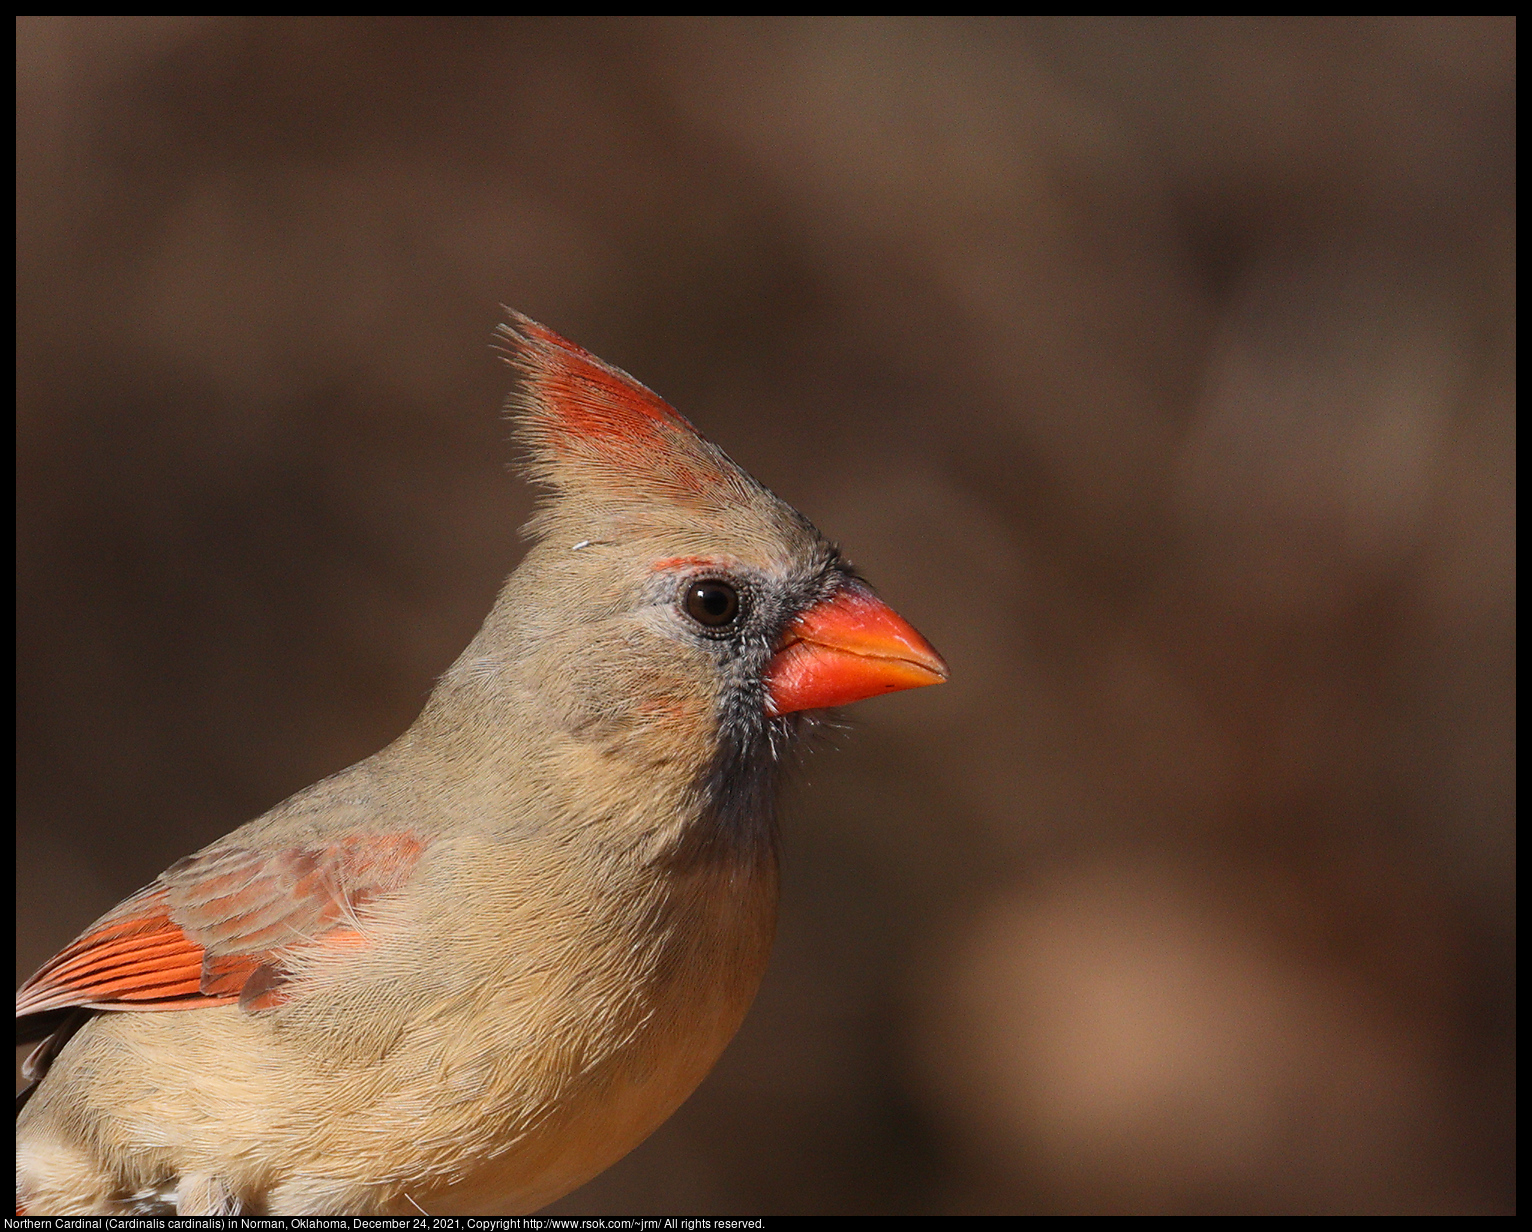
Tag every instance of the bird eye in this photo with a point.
(712, 603)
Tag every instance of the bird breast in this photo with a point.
(609, 1046)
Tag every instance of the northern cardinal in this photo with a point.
(477, 968)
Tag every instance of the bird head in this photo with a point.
(673, 616)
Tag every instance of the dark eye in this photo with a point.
(712, 603)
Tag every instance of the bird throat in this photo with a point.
(737, 822)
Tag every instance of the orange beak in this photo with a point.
(847, 647)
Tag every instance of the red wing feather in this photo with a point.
(133, 954)
(219, 927)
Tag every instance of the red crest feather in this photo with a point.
(595, 431)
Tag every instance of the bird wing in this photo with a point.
(222, 926)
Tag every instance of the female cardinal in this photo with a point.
(475, 969)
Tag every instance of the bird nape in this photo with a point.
(475, 969)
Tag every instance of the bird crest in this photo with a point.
(594, 433)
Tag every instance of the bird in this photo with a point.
(472, 971)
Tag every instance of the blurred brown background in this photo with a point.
(1161, 372)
